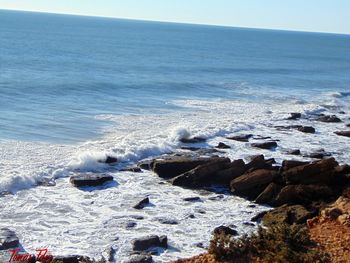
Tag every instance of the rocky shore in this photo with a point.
(311, 193)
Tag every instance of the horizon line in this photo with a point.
(172, 22)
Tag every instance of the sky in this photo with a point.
(302, 15)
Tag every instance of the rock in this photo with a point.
(329, 118)
(67, 259)
(294, 214)
(241, 137)
(140, 259)
(200, 245)
(348, 125)
(130, 224)
(140, 205)
(144, 243)
(234, 170)
(146, 164)
(265, 145)
(167, 221)
(248, 224)
(8, 239)
(294, 152)
(302, 194)
(289, 164)
(307, 129)
(343, 133)
(315, 173)
(225, 231)
(257, 162)
(222, 145)
(110, 160)
(346, 192)
(268, 195)
(132, 169)
(46, 182)
(294, 116)
(202, 175)
(216, 198)
(192, 199)
(251, 184)
(320, 154)
(193, 140)
(258, 217)
(173, 167)
(90, 179)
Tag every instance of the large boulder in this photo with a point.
(289, 164)
(170, 168)
(147, 242)
(202, 175)
(90, 179)
(225, 230)
(302, 194)
(265, 145)
(251, 184)
(234, 170)
(315, 173)
(8, 239)
(258, 162)
(268, 195)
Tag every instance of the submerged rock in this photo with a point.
(329, 118)
(140, 205)
(307, 129)
(90, 179)
(222, 145)
(109, 160)
(144, 243)
(193, 140)
(241, 137)
(8, 239)
(265, 145)
(294, 116)
(132, 169)
(343, 133)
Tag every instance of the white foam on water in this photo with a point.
(68, 220)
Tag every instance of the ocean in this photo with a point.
(74, 89)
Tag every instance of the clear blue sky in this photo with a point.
(305, 15)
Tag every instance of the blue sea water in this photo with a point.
(58, 72)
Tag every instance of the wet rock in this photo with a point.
(265, 145)
(302, 194)
(90, 179)
(200, 245)
(294, 116)
(167, 221)
(233, 170)
(329, 118)
(146, 164)
(192, 199)
(294, 152)
(307, 129)
(258, 217)
(137, 217)
(241, 137)
(225, 231)
(140, 205)
(189, 148)
(140, 259)
(257, 162)
(268, 195)
(110, 160)
(144, 243)
(248, 224)
(222, 145)
(289, 164)
(132, 169)
(253, 183)
(343, 133)
(315, 173)
(297, 214)
(192, 140)
(130, 224)
(8, 239)
(348, 125)
(173, 167)
(202, 175)
(4, 193)
(320, 154)
(216, 198)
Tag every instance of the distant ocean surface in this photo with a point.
(74, 90)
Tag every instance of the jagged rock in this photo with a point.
(144, 243)
(202, 175)
(343, 133)
(222, 145)
(307, 129)
(294, 116)
(302, 194)
(90, 179)
(8, 239)
(140, 205)
(314, 173)
(241, 137)
(234, 170)
(297, 214)
(268, 195)
(265, 145)
(253, 183)
(294, 152)
(192, 140)
(140, 259)
(173, 167)
(329, 118)
(289, 164)
(225, 230)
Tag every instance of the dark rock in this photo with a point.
(47, 182)
(192, 199)
(329, 118)
(144, 243)
(171, 168)
(110, 160)
(146, 164)
(241, 137)
(258, 217)
(8, 239)
(225, 231)
(222, 145)
(348, 125)
(234, 170)
(216, 198)
(342, 112)
(294, 152)
(320, 154)
(294, 116)
(90, 179)
(200, 245)
(307, 129)
(315, 173)
(4, 193)
(132, 169)
(167, 221)
(257, 162)
(265, 145)
(289, 164)
(130, 225)
(192, 140)
(140, 259)
(248, 224)
(191, 216)
(295, 214)
(343, 133)
(200, 211)
(137, 217)
(202, 175)
(140, 205)
(302, 194)
(189, 148)
(268, 195)
(251, 184)
(67, 259)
